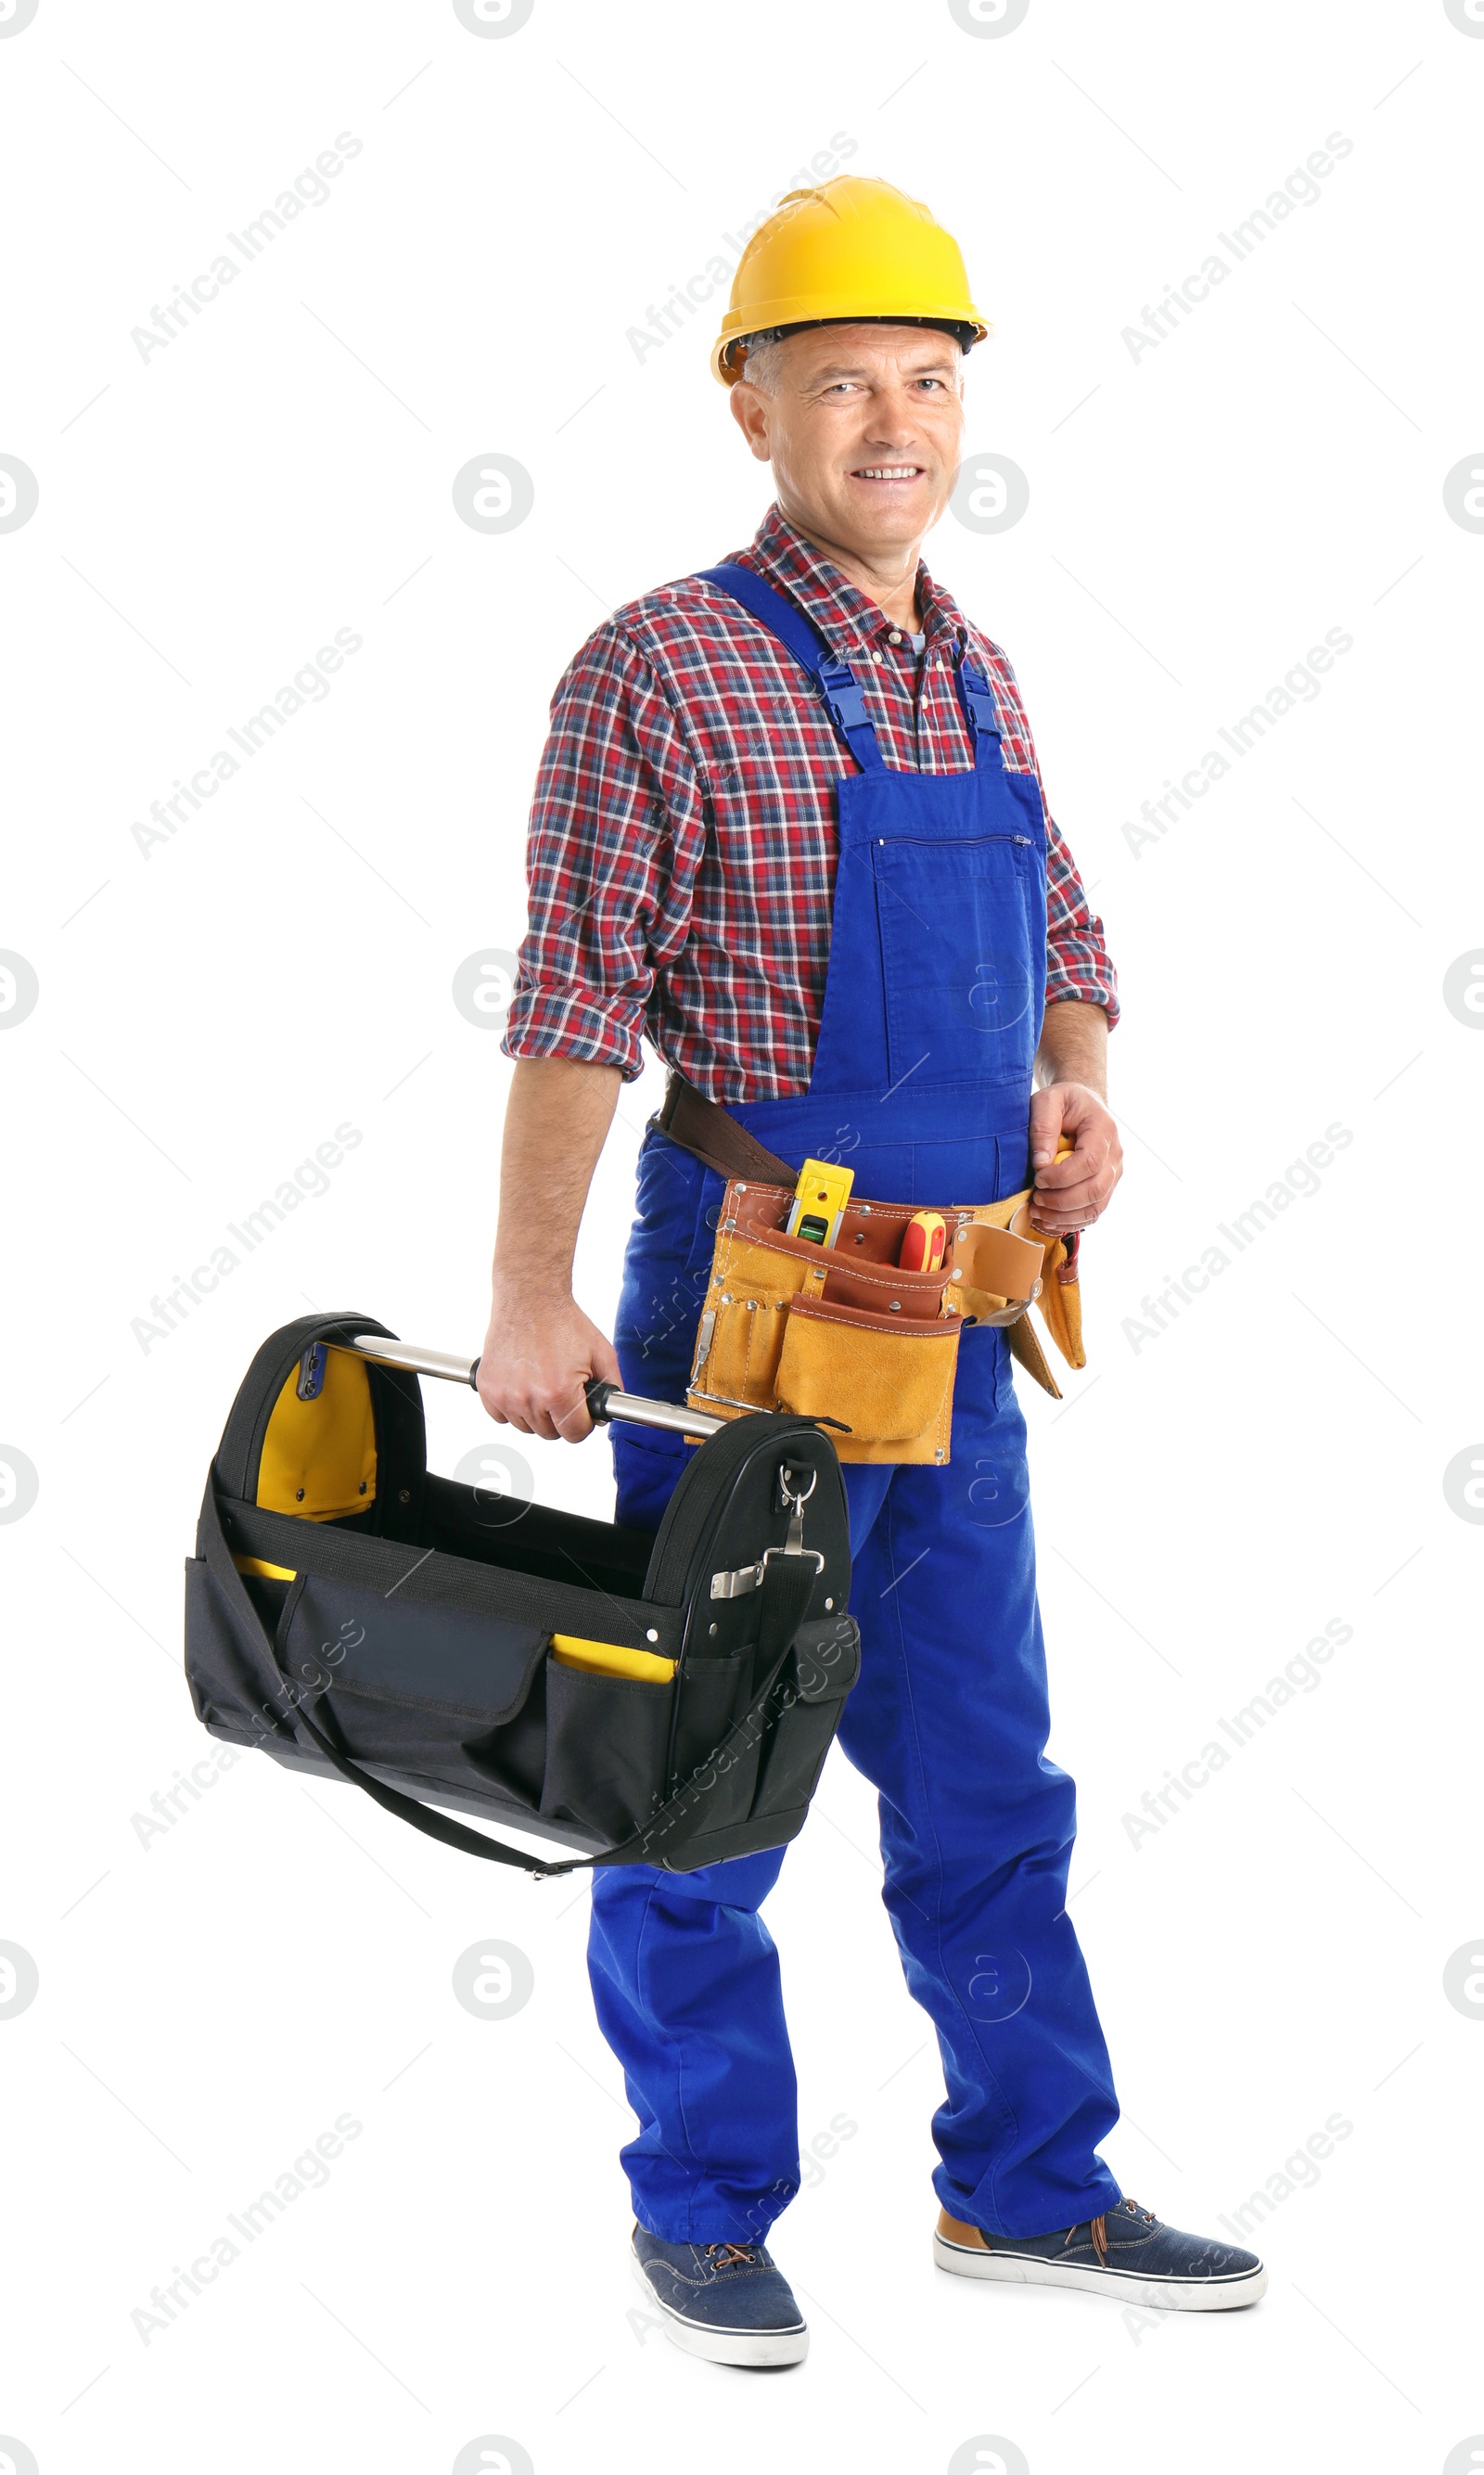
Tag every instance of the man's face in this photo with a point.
(864, 433)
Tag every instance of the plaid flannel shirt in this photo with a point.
(683, 844)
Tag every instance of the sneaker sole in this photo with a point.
(756, 2349)
(1120, 2285)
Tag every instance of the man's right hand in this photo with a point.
(538, 1353)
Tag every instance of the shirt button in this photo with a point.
(878, 657)
(895, 636)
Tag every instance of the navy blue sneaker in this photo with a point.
(1125, 2253)
(724, 2301)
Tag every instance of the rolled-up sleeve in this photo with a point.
(1077, 964)
(616, 832)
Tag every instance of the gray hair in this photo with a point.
(762, 363)
(763, 359)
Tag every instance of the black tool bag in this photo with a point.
(352, 1613)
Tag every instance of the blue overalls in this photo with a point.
(922, 1082)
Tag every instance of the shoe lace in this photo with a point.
(1097, 2226)
(729, 2255)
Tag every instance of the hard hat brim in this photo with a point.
(792, 317)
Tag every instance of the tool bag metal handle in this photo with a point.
(604, 1401)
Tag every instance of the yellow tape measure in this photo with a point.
(819, 1201)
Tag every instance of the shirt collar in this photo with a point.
(845, 616)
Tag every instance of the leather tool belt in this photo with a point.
(843, 1335)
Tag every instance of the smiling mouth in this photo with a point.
(888, 472)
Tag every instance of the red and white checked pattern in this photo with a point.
(682, 846)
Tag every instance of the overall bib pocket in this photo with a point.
(960, 983)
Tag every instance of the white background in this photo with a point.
(211, 1999)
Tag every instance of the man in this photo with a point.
(836, 905)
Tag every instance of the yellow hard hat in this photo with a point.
(855, 249)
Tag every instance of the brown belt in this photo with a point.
(715, 1137)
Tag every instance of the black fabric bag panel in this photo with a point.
(740, 1503)
(719, 1805)
(435, 1580)
(825, 1664)
(605, 1749)
(826, 1658)
(442, 1755)
(461, 1666)
(713, 1693)
(791, 1759)
(739, 1839)
(722, 1782)
(756, 1773)
(233, 1685)
(519, 1536)
(755, 1796)
(454, 1701)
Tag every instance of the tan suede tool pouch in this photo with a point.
(840, 1332)
(832, 1333)
(887, 1377)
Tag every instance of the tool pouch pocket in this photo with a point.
(844, 1331)
(756, 1273)
(888, 1377)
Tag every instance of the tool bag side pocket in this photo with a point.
(712, 1694)
(754, 1792)
(605, 1749)
(437, 1694)
(887, 1377)
(826, 1664)
(235, 1689)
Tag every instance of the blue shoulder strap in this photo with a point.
(839, 687)
(977, 698)
(836, 681)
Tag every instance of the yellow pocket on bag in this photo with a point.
(888, 1379)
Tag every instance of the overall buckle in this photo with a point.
(983, 711)
(842, 692)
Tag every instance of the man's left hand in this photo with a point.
(1072, 1192)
